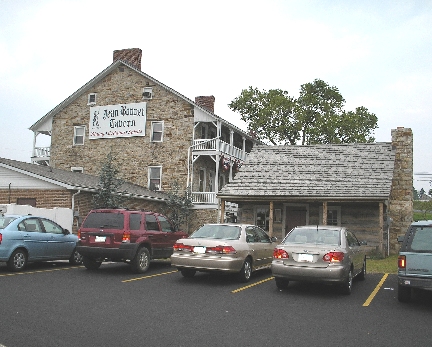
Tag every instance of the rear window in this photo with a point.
(5, 221)
(421, 239)
(227, 232)
(105, 220)
(313, 236)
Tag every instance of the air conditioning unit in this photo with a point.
(147, 95)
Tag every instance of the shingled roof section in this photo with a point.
(345, 171)
(76, 180)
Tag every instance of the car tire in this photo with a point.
(281, 283)
(91, 263)
(141, 262)
(188, 273)
(362, 275)
(17, 261)
(347, 284)
(404, 293)
(246, 271)
(76, 258)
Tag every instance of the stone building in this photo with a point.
(158, 136)
(366, 187)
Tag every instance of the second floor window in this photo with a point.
(156, 131)
(155, 177)
(79, 132)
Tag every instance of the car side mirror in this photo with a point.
(66, 232)
(273, 239)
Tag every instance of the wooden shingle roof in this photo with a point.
(343, 171)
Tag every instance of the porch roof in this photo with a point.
(360, 171)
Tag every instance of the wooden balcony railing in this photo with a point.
(204, 197)
(217, 145)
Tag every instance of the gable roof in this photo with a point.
(75, 180)
(358, 171)
(105, 73)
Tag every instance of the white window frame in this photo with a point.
(147, 90)
(150, 169)
(331, 208)
(79, 169)
(154, 132)
(89, 102)
(76, 136)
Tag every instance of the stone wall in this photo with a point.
(401, 197)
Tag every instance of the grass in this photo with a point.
(376, 264)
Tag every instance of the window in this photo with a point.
(151, 223)
(165, 224)
(262, 217)
(333, 215)
(51, 227)
(26, 201)
(202, 180)
(156, 131)
(91, 99)
(79, 132)
(134, 221)
(155, 177)
(77, 169)
(211, 181)
(204, 130)
(147, 93)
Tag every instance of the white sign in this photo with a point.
(123, 120)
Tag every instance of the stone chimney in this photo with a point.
(131, 56)
(206, 102)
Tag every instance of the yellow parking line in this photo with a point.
(377, 288)
(149, 276)
(251, 285)
(38, 271)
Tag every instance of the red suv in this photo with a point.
(121, 235)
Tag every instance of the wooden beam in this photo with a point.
(271, 219)
(324, 221)
(222, 209)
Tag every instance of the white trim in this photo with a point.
(89, 102)
(160, 177)
(152, 131)
(77, 169)
(147, 93)
(75, 135)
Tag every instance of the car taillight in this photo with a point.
(221, 250)
(1, 238)
(334, 257)
(126, 236)
(402, 262)
(79, 234)
(182, 247)
(280, 254)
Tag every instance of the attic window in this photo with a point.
(147, 93)
(91, 99)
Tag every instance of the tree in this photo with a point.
(178, 206)
(415, 194)
(317, 116)
(107, 195)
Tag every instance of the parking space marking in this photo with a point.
(38, 271)
(149, 276)
(375, 291)
(251, 285)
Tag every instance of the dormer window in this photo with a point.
(91, 99)
(147, 93)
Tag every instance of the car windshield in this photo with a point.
(106, 220)
(422, 239)
(313, 236)
(227, 232)
(5, 221)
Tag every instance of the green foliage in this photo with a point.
(107, 195)
(422, 209)
(382, 265)
(415, 194)
(317, 116)
(178, 206)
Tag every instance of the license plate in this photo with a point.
(305, 257)
(199, 249)
(100, 238)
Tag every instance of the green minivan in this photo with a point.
(415, 260)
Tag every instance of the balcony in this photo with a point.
(214, 146)
(206, 198)
(41, 156)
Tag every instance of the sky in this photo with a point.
(377, 53)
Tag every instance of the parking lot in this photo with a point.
(55, 304)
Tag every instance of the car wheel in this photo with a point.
(281, 283)
(188, 272)
(141, 262)
(347, 285)
(18, 260)
(76, 258)
(362, 275)
(404, 293)
(246, 271)
(91, 263)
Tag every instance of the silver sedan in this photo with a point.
(235, 248)
(319, 254)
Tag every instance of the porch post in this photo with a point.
(271, 219)
(324, 221)
(381, 226)
(222, 209)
